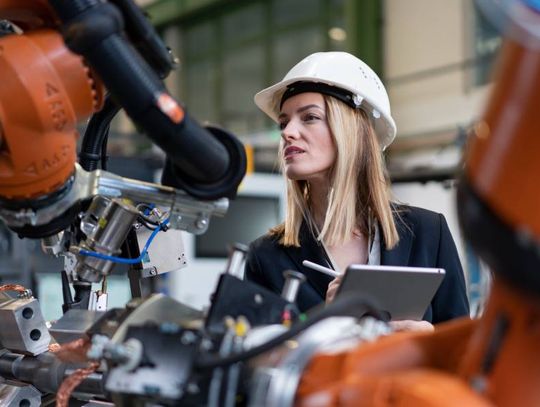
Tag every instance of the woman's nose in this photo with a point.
(290, 132)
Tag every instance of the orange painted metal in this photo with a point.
(28, 14)
(446, 368)
(502, 160)
(46, 90)
(404, 369)
(515, 374)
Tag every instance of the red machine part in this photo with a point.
(28, 14)
(400, 370)
(46, 90)
(502, 161)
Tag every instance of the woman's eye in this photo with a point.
(282, 125)
(310, 117)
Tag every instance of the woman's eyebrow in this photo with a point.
(301, 109)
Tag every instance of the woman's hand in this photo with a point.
(332, 288)
(398, 326)
(409, 325)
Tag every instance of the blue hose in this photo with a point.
(124, 260)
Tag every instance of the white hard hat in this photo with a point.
(335, 72)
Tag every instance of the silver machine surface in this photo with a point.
(150, 354)
(23, 326)
(73, 324)
(187, 213)
(111, 215)
(276, 374)
(19, 395)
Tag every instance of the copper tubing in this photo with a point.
(72, 381)
(13, 287)
(71, 352)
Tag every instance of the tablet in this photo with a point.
(399, 292)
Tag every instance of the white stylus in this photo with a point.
(322, 269)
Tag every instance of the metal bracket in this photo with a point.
(187, 213)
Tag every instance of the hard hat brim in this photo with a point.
(268, 101)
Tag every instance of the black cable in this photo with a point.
(66, 292)
(498, 335)
(345, 305)
(104, 156)
(147, 219)
(145, 205)
(94, 141)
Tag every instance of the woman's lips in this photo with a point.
(292, 151)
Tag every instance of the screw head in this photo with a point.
(201, 223)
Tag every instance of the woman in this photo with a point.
(334, 116)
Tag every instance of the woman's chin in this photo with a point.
(295, 175)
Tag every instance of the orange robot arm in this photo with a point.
(50, 83)
(46, 91)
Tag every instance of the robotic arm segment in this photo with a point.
(40, 188)
(46, 91)
(145, 38)
(213, 165)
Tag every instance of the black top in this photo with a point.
(425, 241)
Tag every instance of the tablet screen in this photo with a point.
(399, 292)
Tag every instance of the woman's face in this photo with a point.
(308, 148)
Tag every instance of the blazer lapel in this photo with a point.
(310, 250)
(399, 255)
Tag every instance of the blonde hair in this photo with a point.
(359, 191)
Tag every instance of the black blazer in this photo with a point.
(425, 241)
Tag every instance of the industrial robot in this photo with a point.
(62, 62)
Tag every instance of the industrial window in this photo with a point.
(487, 42)
(230, 54)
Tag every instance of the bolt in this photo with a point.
(201, 223)
(258, 299)
(26, 294)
